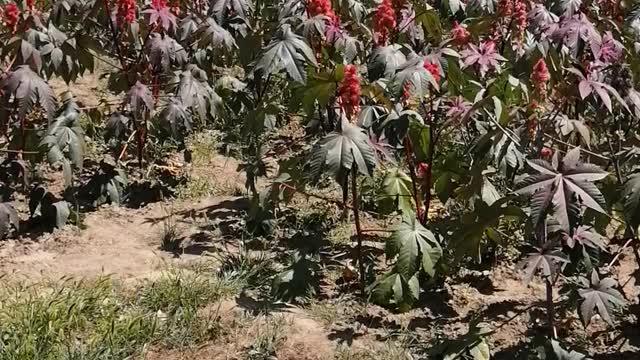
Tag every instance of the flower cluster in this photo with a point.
(11, 16)
(434, 69)
(159, 4)
(384, 21)
(321, 7)
(460, 34)
(540, 77)
(521, 19)
(349, 91)
(126, 11)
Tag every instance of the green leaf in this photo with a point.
(64, 140)
(339, 151)
(398, 187)
(289, 52)
(416, 248)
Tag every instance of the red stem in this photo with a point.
(408, 149)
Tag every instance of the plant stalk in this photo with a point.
(550, 314)
(356, 214)
(408, 149)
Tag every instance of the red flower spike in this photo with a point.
(434, 69)
(384, 21)
(521, 19)
(349, 91)
(540, 77)
(460, 34)
(11, 16)
(126, 11)
(158, 4)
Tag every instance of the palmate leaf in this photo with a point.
(563, 188)
(416, 249)
(8, 219)
(395, 290)
(162, 16)
(631, 201)
(64, 140)
(140, 99)
(600, 295)
(288, 52)
(544, 261)
(196, 93)
(384, 61)
(175, 118)
(339, 151)
(29, 89)
(214, 35)
(414, 77)
(586, 236)
(163, 51)
(397, 186)
(223, 9)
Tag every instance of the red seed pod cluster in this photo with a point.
(158, 4)
(11, 16)
(460, 34)
(520, 13)
(434, 69)
(349, 91)
(540, 77)
(505, 8)
(384, 21)
(126, 11)
(321, 7)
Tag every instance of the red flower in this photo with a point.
(158, 4)
(349, 91)
(434, 69)
(321, 7)
(31, 4)
(11, 16)
(540, 77)
(545, 152)
(127, 10)
(521, 15)
(460, 34)
(384, 21)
